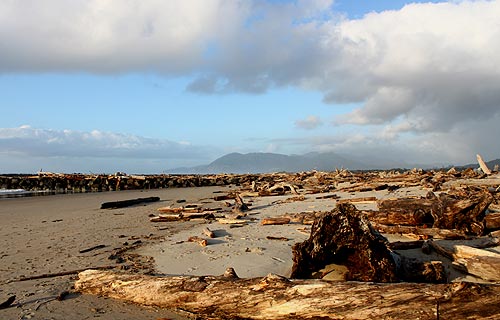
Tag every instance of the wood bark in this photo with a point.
(275, 297)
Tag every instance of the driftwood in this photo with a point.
(7, 303)
(128, 203)
(435, 233)
(492, 221)
(483, 165)
(100, 246)
(359, 200)
(463, 212)
(274, 221)
(275, 297)
(478, 262)
(406, 245)
(202, 242)
(209, 233)
(345, 237)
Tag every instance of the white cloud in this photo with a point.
(309, 123)
(427, 69)
(104, 150)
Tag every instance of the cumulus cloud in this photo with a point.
(309, 123)
(102, 147)
(429, 69)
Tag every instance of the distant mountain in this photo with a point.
(328, 161)
(491, 164)
(273, 162)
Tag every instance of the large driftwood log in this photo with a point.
(344, 236)
(128, 203)
(274, 297)
(478, 262)
(482, 164)
(448, 211)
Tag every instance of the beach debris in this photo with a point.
(274, 221)
(209, 233)
(344, 236)
(361, 200)
(240, 205)
(483, 165)
(277, 297)
(463, 211)
(7, 303)
(202, 242)
(233, 221)
(492, 221)
(478, 262)
(128, 203)
(99, 246)
(277, 238)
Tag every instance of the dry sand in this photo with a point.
(45, 234)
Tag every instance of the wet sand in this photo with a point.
(42, 235)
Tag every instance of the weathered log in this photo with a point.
(462, 212)
(274, 221)
(202, 242)
(492, 221)
(406, 245)
(435, 233)
(128, 203)
(7, 303)
(275, 297)
(99, 246)
(209, 233)
(240, 205)
(478, 262)
(179, 210)
(483, 165)
(359, 200)
(344, 236)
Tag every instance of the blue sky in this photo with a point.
(161, 85)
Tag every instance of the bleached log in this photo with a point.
(209, 233)
(483, 165)
(274, 221)
(275, 297)
(435, 233)
(478, 262)
(359, 200)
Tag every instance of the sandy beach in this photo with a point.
(63, 233)
(41, 235)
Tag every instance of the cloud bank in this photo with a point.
(430, 70)
(96, 149)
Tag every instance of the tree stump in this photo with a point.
(344, 236)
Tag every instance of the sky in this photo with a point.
(143, 86)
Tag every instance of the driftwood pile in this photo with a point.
(459, 219)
